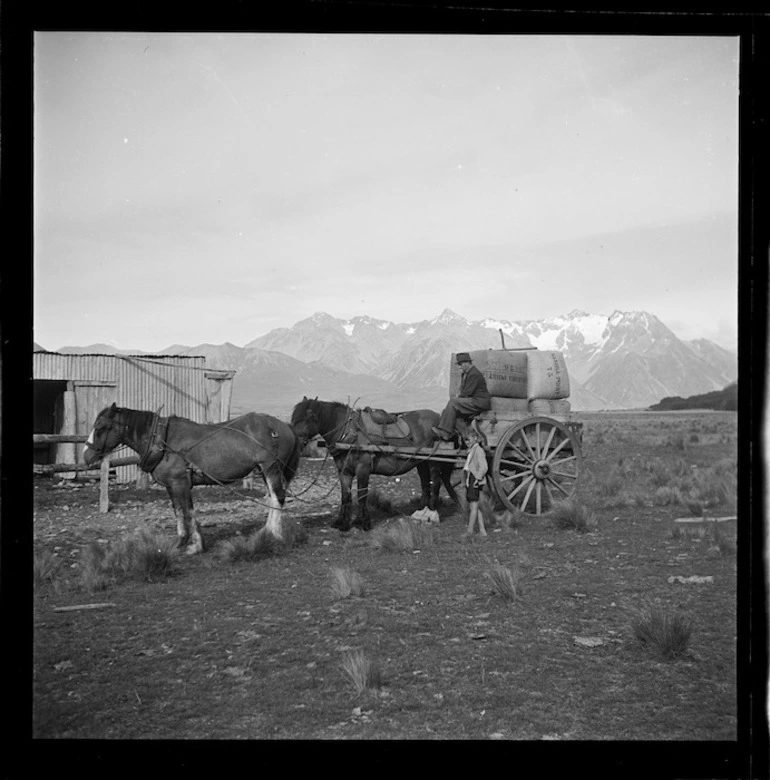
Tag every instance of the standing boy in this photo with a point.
(474, 472)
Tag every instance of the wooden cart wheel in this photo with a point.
(536, 463)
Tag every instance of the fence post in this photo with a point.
(104, 485)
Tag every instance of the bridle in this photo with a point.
(102, 451)
(123, 437)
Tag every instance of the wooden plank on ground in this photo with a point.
(704, 519)
(76, 607)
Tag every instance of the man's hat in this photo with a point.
(463, 357)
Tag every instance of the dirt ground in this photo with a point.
(256, 650)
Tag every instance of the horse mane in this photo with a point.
(136, 422)
(327, 412)
(289, 468)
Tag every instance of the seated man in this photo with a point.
(472, 398)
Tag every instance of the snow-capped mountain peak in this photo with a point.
(448, 317)
(623, 360)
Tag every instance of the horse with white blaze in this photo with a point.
(180, 453)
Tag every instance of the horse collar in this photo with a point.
(156, 445)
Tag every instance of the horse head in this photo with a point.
(304, 419)
(105, 436)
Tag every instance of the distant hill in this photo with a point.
(720, 400)
(627, 360)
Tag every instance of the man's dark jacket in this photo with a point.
(473, 385)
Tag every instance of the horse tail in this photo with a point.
(292, 462)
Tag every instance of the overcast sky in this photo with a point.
(195, 188)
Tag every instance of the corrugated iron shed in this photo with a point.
(76, 387)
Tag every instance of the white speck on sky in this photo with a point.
(195, 188)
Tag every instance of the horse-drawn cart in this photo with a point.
(532, 443)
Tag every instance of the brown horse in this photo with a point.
(180, 453)
(336, 422)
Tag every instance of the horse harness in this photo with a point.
(156, 447)
(377, 426)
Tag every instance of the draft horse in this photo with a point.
(336, 423)
(180, 453)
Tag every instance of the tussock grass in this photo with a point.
(505, 580)
(46, 570)
(571, 515)
(665, 633)
(487, 509)
(694, 507)
(511, 519)
(611, 485)
(679, 482)
(677, 441)
(147, 555)
(379, 505)
(679, 532)
(632, 498)
(346, 582)
(667, 496)
(259, 544)
(362, 670)
(403, 534)
(714, 487)
(720, 543)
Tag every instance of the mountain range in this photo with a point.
(625, 361)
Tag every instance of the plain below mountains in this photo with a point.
(628, 360)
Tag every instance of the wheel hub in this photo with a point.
(541, 469)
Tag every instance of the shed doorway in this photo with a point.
(47, 415)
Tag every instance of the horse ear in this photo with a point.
(304, 398)
(316, 398)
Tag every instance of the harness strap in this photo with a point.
(156, 446)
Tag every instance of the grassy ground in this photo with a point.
(270, 648)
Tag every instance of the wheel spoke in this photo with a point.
(567, 459)
(548, 492)
(538, 497)
(564, 474)
(558, 486)
(525, 481)
(523, 455)
(528, 494)
(526, 441)
(514, 464)
(548, 441)
(509, 477)
(537, 440)
(557, 449)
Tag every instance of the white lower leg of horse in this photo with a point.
(273, 524)
(195, 542)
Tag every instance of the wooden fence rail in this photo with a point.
(56, 468)
(103, 468)
(58, 438)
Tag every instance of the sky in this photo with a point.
(198, 188)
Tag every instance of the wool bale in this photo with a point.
(546, 375)
(505, 372)
(545, 406)
(509, 404)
